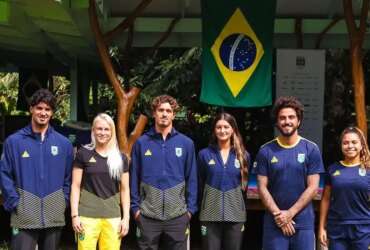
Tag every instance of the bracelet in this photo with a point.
(74, 216)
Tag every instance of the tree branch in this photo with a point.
(126, 142)
(103, 51)
(128, 21)
(132, 95)
(125, 99)
(137, 131)
(363, 19)
(164, 35)
(349, 17)
(327, 28)
(126, 60)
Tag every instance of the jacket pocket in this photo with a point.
(28, 211)
(152, 204)
(175, 201)
(54, 206)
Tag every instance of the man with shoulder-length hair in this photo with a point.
(36, 177)
(288, 169)
(163, 181)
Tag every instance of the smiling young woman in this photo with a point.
(223, 167)
(344, 210)
(100, 185)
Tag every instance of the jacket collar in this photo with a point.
(27, 131)
(153, 133)
(217, 149)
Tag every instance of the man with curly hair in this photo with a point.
(288, 169)
(163, 181)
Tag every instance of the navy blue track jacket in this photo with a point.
(222, 199)
(36, 178)
(163, 175)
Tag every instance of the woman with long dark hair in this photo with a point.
(100, 189)
(345, 205)
(223, 168)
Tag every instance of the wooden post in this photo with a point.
(298, 32)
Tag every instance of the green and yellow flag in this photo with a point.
(237, 52)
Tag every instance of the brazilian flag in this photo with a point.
(237, 52)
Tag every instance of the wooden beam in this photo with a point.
(194, 25)
(79, 4)
(4, 11)
(79, 18)
(22, 22)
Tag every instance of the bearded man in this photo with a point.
(288, 169)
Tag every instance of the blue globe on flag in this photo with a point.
(238, 52)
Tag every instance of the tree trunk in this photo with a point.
(357, 36)
(125, 99)
(359, 87)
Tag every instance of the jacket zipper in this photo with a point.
(41, 182)
(223, 195)
(163, 197)
(223, 176)
(41, 161)
(42, 212)
(164, 173)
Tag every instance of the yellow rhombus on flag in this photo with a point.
(236, 79)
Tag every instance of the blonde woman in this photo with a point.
(344, 210)
(100, 185)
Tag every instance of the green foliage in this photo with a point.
(173, 72)
(8, 93)
(107, 100)
(175, 75)
(62, 93)
(199, 118)
(4, 245)
(339, 110)
(178, 74)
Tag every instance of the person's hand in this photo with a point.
(77, 225)
(137, 214)
(323, 237)
(283, 217)
(124, 226)
(189, 215)
(288, 229)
